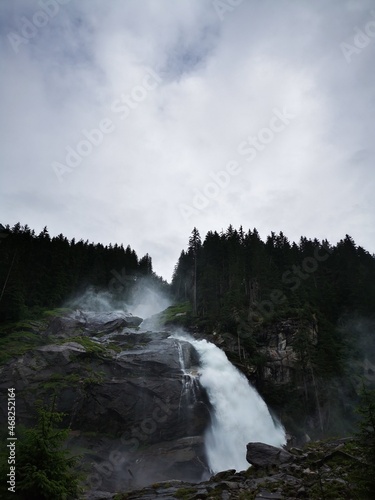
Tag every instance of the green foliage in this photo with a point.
(84, 380)
(185, 493)
(58, 311)
(58, 381)
(178, 314)
(94, 349)
(90, 346)
(44, 469)
(16, 343)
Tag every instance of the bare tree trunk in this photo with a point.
(195, 287)
(317, 400)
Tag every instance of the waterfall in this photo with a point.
(190, 382)
(239, 414)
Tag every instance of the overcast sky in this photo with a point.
(132, 121)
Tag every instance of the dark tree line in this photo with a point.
(39, 272)
(236, 273)
(227, 276)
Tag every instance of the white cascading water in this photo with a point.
(190, 382)
(240, 414)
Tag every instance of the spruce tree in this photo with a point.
(195, 244)
(44, 469)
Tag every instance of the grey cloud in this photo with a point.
(218, 83)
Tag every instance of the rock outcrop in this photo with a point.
(263, 455)
(282, 345)
(133, 413)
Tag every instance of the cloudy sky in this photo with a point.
(132, 121)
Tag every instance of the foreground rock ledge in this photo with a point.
(322, 469)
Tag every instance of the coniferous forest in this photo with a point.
(228, 275)
(232, 283)
(39, 272)
(236, 273)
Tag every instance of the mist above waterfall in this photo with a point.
(144, 299)
(147, 299)
(95, 300)
(239, 413)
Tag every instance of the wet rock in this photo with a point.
(91, 323)
(263, 455)
(268, 495)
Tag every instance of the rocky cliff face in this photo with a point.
(278, 358)
(283, 346)
(135, 416)
(280, 345)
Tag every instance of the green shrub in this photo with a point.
(44, 469)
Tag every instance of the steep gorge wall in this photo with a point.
(283, 359)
